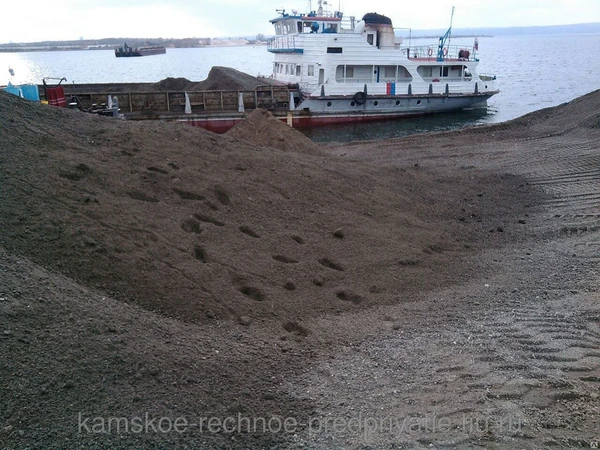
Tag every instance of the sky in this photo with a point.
(93, 19)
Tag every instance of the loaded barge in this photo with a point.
(215, 110)
(128, 52)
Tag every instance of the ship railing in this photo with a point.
(430, 52)
(487, 77)
(348, 23)
(283, 44)
(437, 87)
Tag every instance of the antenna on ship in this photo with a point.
(450, 29)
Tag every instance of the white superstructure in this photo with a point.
(348, 66)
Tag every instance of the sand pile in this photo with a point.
(174, 84)
(260, 127)
(200, 227)
(218, 79)
(227, 79)
(153, 267)
(580, 112)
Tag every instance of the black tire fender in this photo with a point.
(360, 98)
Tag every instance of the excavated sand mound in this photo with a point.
(153, 269)
(199, 226)
(262, 128)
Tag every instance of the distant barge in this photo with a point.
(127, 51)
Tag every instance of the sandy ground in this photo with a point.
(437, 291)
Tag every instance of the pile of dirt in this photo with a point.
(200, 226)
(174, 84)
(262, 128)
(227, 79)
(160, 268)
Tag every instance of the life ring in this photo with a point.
(430, 52)
(360, 98)
(445, 51)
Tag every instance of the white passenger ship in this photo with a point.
(349, 70)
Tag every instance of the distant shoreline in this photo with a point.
(80, 49)
(260, 39)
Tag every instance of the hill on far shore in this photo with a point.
(191, 42)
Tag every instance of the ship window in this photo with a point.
(332, 27)
(287, 69)
(389, 72)
(299, 27)
(353, 74)
(444, 71)
(344, 73)
(334, 50)
(298, 71)
(393, 74)
(429, 71)
(288, 27)
(311, 71)
(403, 74)
(370, 39)
(425, 72)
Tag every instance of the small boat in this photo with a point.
(127, 51)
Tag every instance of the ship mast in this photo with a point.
(444, 38)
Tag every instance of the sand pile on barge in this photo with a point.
(155, 267)
(174, 84)
(219, 79)
(227, 79)
(260, 127)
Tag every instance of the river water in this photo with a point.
(534, 72)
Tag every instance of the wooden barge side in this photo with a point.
(142, 99)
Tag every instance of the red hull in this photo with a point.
(221, 125)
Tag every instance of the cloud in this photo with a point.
(72, 19)
(61, 22)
